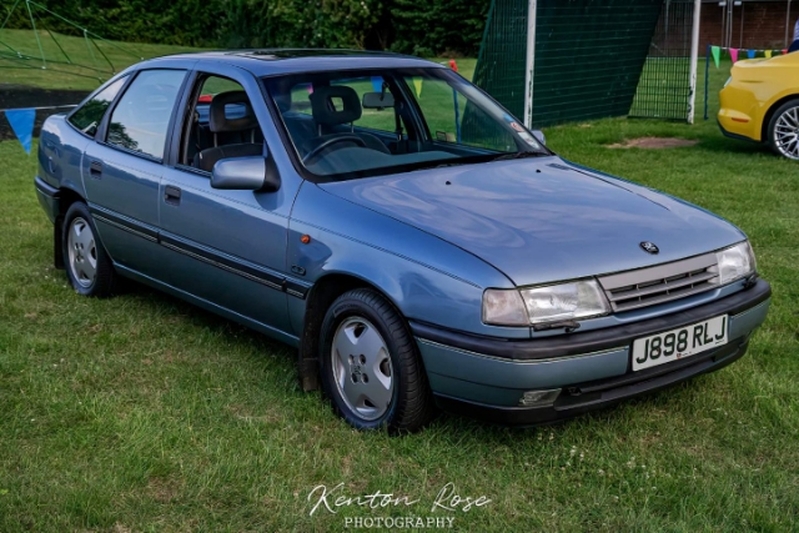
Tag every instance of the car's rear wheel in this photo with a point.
(784, 130)
(88, 267)
(371, 371)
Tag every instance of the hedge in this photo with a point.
(424, 28)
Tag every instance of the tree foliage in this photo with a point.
(409, 26)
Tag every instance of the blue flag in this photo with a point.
(750, 54)
(21, 121)
(377, 84)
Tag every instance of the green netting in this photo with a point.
(47, 53)
(588, 56)
(665, 86)
(500, 64)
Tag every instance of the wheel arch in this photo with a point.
(323, 293)
(66, 197)
(764, 133)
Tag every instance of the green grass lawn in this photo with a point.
(69, 62)
(143, 413)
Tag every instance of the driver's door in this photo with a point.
(228, 247)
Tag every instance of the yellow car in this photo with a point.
(760, 102)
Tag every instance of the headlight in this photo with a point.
(568, 301)
(735, 262)
(539, 305)
(503, 307)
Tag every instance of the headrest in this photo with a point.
(335, 104)
(281, 94)
(283, 102)
(221, 118)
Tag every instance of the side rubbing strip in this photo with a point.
(126, 224)
(269, 279)
(239, 268)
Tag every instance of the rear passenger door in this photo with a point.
(122, 170)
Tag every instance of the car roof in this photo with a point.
(265, 62)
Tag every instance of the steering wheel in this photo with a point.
(347, 138)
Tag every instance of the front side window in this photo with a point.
(221, 125)
(349, 124)
(88, 116)
(140, 120)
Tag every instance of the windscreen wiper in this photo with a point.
(518, 155)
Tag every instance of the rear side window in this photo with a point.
(140, 120)
(88, 116)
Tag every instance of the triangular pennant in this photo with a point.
(21, 121)
(768, 53)
(750, 54)
(377, 84)
(784, 51)
(734, 54)
(716, 52)
(417, 84)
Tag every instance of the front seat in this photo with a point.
(221, 124)
(327, 117)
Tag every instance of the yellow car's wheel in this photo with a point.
(783, 130)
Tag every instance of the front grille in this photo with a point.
(635, 289)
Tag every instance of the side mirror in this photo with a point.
(539, 135)
(254, 173)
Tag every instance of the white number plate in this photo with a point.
(679, 343)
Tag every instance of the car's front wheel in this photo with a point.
(784, 130)
(88, 267)
(371, 371)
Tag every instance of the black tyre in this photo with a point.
(371, 371)
(783, 130)
(88, 266)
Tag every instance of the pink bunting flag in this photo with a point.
(734, 54)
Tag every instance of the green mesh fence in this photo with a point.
(500, 64)
(589, 55)
(665, 87)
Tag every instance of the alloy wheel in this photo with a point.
(362, 368)
(82, 252)
(786, 133)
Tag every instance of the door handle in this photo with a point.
(96, 170)
(172, 195)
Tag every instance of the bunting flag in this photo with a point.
(736, 53)
(21, 121)
(377, 84)
(716, 51)
(417, 84)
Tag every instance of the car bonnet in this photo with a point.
(543, 220)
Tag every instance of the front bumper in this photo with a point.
(487, 378)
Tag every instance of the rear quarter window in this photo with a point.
(88, 116)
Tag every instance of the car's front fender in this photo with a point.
(426, 278)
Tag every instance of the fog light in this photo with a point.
(533, 398)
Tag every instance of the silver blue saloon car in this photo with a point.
(418, 245)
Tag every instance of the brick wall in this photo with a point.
(756, 25)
